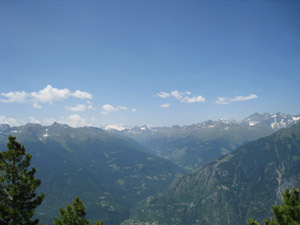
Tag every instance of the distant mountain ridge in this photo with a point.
(191, 146)
(240, 185)
(112, 170)
(194, 145)
(275, 121)
(109, 172)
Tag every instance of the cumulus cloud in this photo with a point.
(167, 105)
(50, 94)
(82, 95)
(107, 109)
(34, 120)
(75, 120)
(48, 121)
(19, 122)
(10, 121)
(47, 95)
(224, 101)
(77, 108)
(18, 96)
(184, 97)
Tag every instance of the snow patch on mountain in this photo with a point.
(226, 121)
(146, 127)
(120, 127)
(296, 118)
(253, 123)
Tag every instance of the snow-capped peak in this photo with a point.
(296, 118)
(275, 121)
(226, 121)
(119, 127)
(146, 127)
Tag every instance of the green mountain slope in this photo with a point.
(108, 172)
(240, 185)
(194, 145)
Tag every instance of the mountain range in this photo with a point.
(110, 173)
(274, 121)
(240, 185)
(194, 145)
(237, 173)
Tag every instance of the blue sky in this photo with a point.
(147, 62)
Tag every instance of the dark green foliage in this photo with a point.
(253, 222)
(17, 186)
(286, 214)
(74, 215)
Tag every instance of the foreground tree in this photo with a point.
(74, 215)
(17, 186)
(286, 214)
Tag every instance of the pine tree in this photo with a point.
(17, 186)
(74, 215)
(286, 214)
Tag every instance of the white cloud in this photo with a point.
(46, 95)
(50, 94)
(90, 105)
(167, 105)
(82, 95)
(48, 121)
(245, 98)
(133, 109)
(18, 122)
(183, 97)
(77, 108)
(224, 101)
(14, 97)
(34, 120)
(194, 99)
(107, 109)
(10, 121)
(74, 120)
(37, 106)
(115, 127)
(163, 95)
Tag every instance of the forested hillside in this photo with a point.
(108, 172)
(240, 185)
(191, 146)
